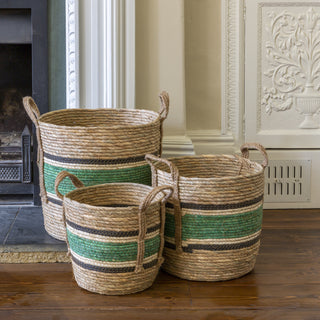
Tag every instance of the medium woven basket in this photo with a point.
(114, 234)
(214, 218)
(97, 145)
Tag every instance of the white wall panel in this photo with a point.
(282, 68)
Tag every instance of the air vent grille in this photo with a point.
(288, 181)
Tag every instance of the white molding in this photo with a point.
(175, 146)
(232, 69)
(106, 54)
(211, 142)
(198, 142)
(72, 54)
(130, 62)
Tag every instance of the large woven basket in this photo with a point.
(97, 145)
(114, 234)
(213, 221)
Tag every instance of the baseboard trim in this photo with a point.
(212, 142)
(175, 146)
(199, 142)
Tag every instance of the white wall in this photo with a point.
(203, 64)
(160, 59)
(178, 50)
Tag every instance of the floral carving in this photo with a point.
(293, 56)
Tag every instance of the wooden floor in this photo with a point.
(284, 285)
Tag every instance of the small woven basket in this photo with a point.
(214, 218)
(114, 234)
(97, 145)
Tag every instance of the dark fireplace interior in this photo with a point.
(23, 71)
(16, 64)
(15, 125)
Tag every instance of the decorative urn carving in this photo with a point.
(293, 55)
(308, 104)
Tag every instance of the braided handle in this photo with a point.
(63, 174)
(33, 112)
(143, 225)
(151, 159)
(164, 110)
(31, 109)
(245, 151)
(164, 105)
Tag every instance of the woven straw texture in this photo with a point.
(96, 145)
(214, 218)
(115, 235)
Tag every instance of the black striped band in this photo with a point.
(215, 247)
(110, 269)
(96, 161)
(228, 206)
(114, 205)
(55, 201)
(186, 205)
(111, 233)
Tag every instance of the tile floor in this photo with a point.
(22, 229)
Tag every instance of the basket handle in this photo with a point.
(143, 207)
(31, 109)
(151, 159)
(245, 152)
(33, 112)
(63, 174)
(78, 184)
(163, 113)
(164, 105)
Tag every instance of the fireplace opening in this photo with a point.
(23, 72)
(16, 64)
(16, 82)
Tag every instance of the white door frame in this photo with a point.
(72, 54)
(107, 60)
(232, 45)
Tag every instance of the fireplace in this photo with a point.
(23, 71)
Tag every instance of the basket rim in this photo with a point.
(67, 198)
(42, 121)
(215, 179)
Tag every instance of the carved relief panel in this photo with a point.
(282, 70)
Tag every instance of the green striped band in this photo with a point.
(217, 226)
(140, 174)
(111, 251)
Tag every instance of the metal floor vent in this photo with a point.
(288, 181)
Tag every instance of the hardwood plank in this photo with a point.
(168, 314)
(61, 290)
(291, 219)
(275, 296)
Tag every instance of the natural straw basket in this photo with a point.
(97, 145)
(115, 234)
(213, 221)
